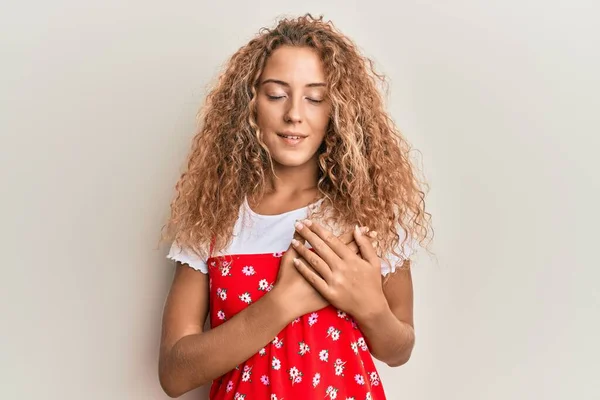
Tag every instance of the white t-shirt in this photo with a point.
(261, 234)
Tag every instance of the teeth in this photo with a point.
(290, 137)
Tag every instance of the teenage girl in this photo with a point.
(293, 227)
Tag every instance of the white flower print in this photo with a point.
(222, 293)
(312, 319)
(294, 372)
(270, 287)
(294, 322)
(295, 375)
(333, 333)
(276, 364)
(359, 379)
(303, 349)
(239, 396)
(246, 298)
(332, 392)
(278, 254)
(265, 380)
(362, 344)
(274, 396)
(262, 351)
(368, 397)
(229, 386)
(278, 343)
(225, 271)
(374, 378)
(341, 314)
(246, 376)
(316, 379)
(354, 346)
(263, 284)
(221, 315)
(324, 355)
(247, 368)
(339, 367)
(248, 270)
(350, 398)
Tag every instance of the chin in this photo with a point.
(291, 161)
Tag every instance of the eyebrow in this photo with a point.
(283, 83)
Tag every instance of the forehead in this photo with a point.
(295, 65)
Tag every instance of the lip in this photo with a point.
(289, 141)
(290, 133)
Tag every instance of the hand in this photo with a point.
(294, 289)
(343, 278)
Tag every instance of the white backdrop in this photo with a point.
(97, 103)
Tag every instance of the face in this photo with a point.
(292, 106)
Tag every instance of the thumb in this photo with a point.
(366, 248)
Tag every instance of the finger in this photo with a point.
(348, 237)
(325, 243)
(372, 234)
(366, 248)
(299, 237)
(354, 247)
(311, 276)
(313, 260)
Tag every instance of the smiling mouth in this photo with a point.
(290, 136)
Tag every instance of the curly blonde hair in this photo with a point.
(365, 175)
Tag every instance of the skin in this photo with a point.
(343, 271)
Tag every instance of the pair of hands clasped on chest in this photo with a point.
(343, 271)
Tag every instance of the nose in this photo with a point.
(293, 113)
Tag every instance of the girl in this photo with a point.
(295, 152)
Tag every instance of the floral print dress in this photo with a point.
(321, 355)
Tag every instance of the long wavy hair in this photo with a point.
(365, 174)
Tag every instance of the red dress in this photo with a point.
(321, 355)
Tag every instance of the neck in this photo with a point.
(295, 180)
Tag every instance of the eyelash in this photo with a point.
(281, 97)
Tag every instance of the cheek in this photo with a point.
(266, 114)
(320, 120)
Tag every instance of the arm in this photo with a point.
(389, 328)
(190, 357)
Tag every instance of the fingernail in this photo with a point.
(307, 222)
(299, 225)
(358, 232)
(295, 242)
(364, 229)
(296, 262)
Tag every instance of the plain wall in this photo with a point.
(97, 109)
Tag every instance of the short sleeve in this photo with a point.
(391, 261)
(184, 256)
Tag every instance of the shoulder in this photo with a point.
(188, 257)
